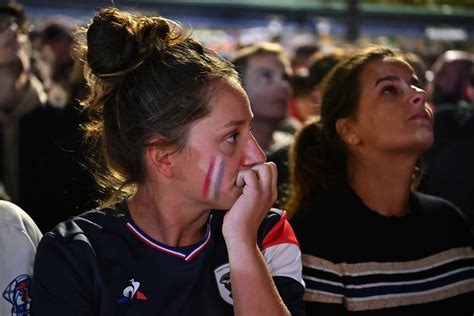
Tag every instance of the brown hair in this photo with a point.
(145, 79)
(318, 157)
(242, 55)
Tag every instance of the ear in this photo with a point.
(159, 159)
(346, 129)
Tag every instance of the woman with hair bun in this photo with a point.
(187, 228)
(371, 245)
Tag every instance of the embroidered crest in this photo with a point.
(224, 285)
(131, 292)
(17, 293)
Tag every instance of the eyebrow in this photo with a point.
(235, 123)
(387, 78)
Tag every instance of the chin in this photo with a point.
(426, 139)
(423, 144)
(226, 200)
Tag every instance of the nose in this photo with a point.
(253, 153)
(418, 96)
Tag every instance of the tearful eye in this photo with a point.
(232, 138)
(389, 90)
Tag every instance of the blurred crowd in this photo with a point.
(44, 167)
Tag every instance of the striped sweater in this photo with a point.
(357, 261)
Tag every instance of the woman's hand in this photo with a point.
(259, 192)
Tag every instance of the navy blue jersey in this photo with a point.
(101, 263)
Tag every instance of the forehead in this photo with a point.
(228, 99)
(384, 67)
(267, 60)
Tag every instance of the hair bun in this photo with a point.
(118, 42)
(110, 46)
(153, 34)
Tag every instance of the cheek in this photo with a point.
(214, 178)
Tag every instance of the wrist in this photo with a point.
(240, 241)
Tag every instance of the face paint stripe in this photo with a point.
(207, 181)
(215, 173)
(220, 175)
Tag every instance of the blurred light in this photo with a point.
(323, 26)
(446, 34)
(446, 8)
(275, 26)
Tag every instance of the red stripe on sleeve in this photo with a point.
(281, 233)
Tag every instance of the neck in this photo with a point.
(167, 221)
(383, 183)
(263, 131)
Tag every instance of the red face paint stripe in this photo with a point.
(207, 181)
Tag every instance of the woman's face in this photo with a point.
(10, 39)
(218, 147)
(266, 82)
(309, 104)
(392, 115)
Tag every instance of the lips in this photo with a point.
(423, 115)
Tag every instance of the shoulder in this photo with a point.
(281, 248)
(432, 204)
(275, 230)
(15, 218)
(326, 205)
(87, 226)
(440, 210)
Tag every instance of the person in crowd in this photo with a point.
(305, 104)
(306, 98)
(57, 46)
(187, 228)
(19, 237)
(302, 54)
(449, 163)
(39, 141)
(370, 244)
(265, 72)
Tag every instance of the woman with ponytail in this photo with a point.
(187, 227)
(370, 244)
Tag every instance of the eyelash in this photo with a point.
(232, 138)
(389, 89)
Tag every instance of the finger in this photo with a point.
(246, 178)
(274, 184)
(267, 178)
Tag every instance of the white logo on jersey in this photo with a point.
(224, 285)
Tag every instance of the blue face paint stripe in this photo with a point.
(220, 175)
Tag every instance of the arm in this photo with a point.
(253, 290)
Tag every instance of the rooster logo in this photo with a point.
(131, 292)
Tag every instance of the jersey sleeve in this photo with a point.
(282, 254)
(62, 284)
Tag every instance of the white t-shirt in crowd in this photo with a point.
(19, 237)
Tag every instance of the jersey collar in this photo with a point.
(186, 253)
